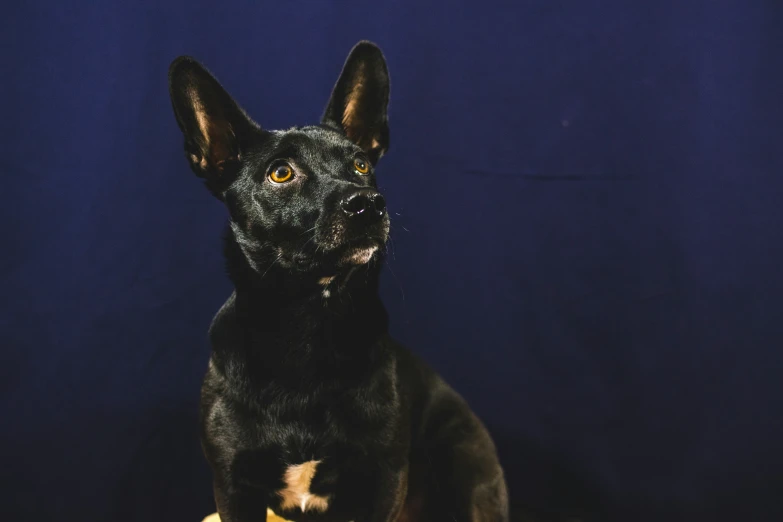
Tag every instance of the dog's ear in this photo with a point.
(359, 101)
(216, 128)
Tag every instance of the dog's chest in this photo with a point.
(306, 454)
(295, 465)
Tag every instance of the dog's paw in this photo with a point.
(270, 517)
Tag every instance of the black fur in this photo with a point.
(303, 368)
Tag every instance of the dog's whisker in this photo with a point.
(307, 243)
(402, 292)
(401, 226)
(387, 248)
(280, 255)
(309, 230)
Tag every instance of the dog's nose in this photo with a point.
(367, 204)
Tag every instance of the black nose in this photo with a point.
(366, 204)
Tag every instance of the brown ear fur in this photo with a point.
(360, 98)
(214, 125)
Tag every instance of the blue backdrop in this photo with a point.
(587, 210)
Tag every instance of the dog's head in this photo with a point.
(303, 198)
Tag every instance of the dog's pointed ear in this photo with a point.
(216, 128)
(360, 98)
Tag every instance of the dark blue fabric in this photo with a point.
(587, 204)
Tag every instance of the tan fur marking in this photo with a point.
(359, 256)
(325, 280)
(297, 492)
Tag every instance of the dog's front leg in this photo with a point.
(238, 505)
(390, 492)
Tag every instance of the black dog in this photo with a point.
(309, 408)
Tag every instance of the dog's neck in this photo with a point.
(283, 322)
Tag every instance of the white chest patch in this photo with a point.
(297, 491)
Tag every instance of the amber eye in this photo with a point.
(281, 174)
(361, 166)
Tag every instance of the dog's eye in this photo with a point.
(281, 174)
(361, 166)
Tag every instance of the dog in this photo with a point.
(308, 407)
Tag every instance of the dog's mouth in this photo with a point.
(360, 252)
(351, 253)
(344, 246)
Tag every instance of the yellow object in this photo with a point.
(270, 517)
